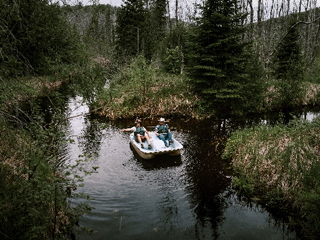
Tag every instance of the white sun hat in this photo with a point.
(161, 120)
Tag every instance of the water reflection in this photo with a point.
(90, 137)
(207, 180)
(184, 197)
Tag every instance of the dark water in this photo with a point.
(187, 197)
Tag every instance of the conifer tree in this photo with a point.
(156, 24)
(287, 61)
(34, 35)
(130, 26)
(140, 27)
(288, 68)
(218, 60)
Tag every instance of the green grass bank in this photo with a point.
(281, 165)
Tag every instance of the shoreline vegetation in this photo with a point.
(37, 182)
(280, 165)
(144, 90)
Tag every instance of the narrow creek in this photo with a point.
(186, 197)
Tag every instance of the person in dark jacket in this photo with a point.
(140, 133)
(162, 131)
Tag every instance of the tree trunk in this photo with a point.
(251, 17)
(170, 25)
(179, 41)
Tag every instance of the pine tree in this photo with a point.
(129, 28)
(140, 27)
(218, 60)
(156, 27)
(288, 58)
(34, 35)
(288, 68)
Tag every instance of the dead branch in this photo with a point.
(292, 27)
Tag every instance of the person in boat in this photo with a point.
(140, 133)
(162, 131)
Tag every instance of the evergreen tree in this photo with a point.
(129, 28)
(140, 27)
(218, 60)
(288, 68)
(34, 35)
(157, 26)
(288, 58)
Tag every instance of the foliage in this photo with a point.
(99, 34)
(218, 59)
(141, 89)
(314, 77)
(282, 159)
(171, 61)
(36, 184)
(243, 186)
(140, 28)
(34, 36)
(130, 27)
(288, 69)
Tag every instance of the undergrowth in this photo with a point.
(37, 181)
(142, 89)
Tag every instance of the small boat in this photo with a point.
(158, 147)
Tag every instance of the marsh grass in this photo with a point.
(35, 185)
(142, 89)
(281, 159)
(278, 97)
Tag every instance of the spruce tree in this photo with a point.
(288, 69)
(140, 27)
(288, 58)
(129, 28)
(156, 27)
(218, 60)
(34, 36)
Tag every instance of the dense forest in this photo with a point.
(271, 51)
(213, 58)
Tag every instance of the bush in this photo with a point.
(171, 61)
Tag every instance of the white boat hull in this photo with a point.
(158, 147)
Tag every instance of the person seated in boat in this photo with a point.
(140, 133)
(162, 131)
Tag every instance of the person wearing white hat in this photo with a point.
(139, 133)
(162, 131)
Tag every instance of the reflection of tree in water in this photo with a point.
(207, 174)
(90, 139)
(277, 217)
(209, 177)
